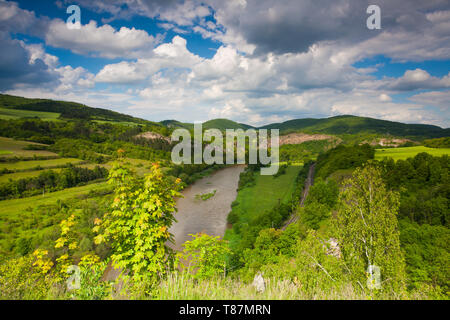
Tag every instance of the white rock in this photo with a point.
(258, 283)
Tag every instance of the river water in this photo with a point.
(208, 216)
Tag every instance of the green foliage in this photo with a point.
(347, 124)
(48, 181)
(281, 170)
(277, 199)
(321, 200)
(92, 287)
(137, 225)
(343, 157)
(269, 248)
(437, 143)
(313, 214)
(306, 150)
(367, 229)
(423, 183)
(206, 196)
(19, 280)
(204, 256)
(426, 253)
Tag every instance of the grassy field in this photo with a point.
(409, 152)
(30, 165)
(142, 167)
(268, 190)
(18, 206)
(15, 148)
(8, 114)
(21, 175)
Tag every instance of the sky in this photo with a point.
(252, 61)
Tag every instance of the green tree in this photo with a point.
(204, 256)
(367, 228)
(137, 227)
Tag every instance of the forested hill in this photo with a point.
(338, 125)
(67, 110)
(348, 124)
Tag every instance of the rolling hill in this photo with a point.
(65, 110)
(348, 124)
(16, 107)
(223, 124)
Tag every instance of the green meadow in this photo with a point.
(409, 152)
(11, 148)
(30, 165)
(8, 114)
(18, 206)
(268, 190)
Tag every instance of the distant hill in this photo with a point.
(177, 124)
(67, 110)
(223, 124)
(345, 124)
(357, 125)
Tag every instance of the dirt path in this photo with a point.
(308, 183)
(209, 216)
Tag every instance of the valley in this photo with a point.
(67, 184)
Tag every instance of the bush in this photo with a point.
(205, 255)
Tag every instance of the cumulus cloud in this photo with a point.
(19, 67)
(419, 79)
(258, 89)
(440, 99)
(103, 41)
(181, 13)
(15, 19)
(167, 55)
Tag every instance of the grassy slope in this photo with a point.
(46, 106)
(28, 165)
(7, 114)
(409, 152)
(223, 124)
(19, 206)
(142, 167)
(15, 148)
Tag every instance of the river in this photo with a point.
(208, 216)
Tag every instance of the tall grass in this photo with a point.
(180, 286)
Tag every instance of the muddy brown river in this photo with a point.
(208, 216)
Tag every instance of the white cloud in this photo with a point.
(167, 55)
(103, 41)
(419, 79)
(440, 99)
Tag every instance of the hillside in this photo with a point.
(223, 124)
(356, 125)
(13, 107)
(66, 110)
(177, 124)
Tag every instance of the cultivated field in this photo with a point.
(32, 165)
(8, 114)
(408, 152)
(10, 148)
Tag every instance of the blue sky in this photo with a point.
(253, 61)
